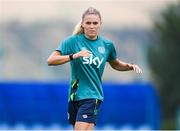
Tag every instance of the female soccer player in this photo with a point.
(87, 53)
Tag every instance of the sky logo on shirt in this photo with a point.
(93, 60)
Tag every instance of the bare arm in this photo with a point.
(57, 59)
(122, 66)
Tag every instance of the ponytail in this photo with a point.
(78, 29)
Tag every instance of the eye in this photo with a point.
(88, 23)
(95, 23)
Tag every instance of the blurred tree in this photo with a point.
(164, 59)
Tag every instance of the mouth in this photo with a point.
(92, 31)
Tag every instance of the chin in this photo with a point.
(92, 35)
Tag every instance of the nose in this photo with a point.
(91, 26)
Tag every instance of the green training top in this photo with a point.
(86, 72)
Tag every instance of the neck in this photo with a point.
(91, 38)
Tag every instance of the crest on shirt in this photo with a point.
(101, 49)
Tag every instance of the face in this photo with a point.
(91, 25)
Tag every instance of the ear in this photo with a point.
(82, 25)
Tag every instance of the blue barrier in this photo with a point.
(134, 105)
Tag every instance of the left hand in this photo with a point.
(136, 68)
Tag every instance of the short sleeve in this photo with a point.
(64, 47)
(112, 53)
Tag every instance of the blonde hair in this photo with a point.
(78, 28)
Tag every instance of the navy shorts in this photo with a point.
(83, 111)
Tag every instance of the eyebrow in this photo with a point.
(88, 22)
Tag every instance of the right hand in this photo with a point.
(83, 53)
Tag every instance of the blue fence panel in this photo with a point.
(29, 103)
(130, 104)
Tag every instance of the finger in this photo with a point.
(139, 70)
(87, 55)
(134, 68)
